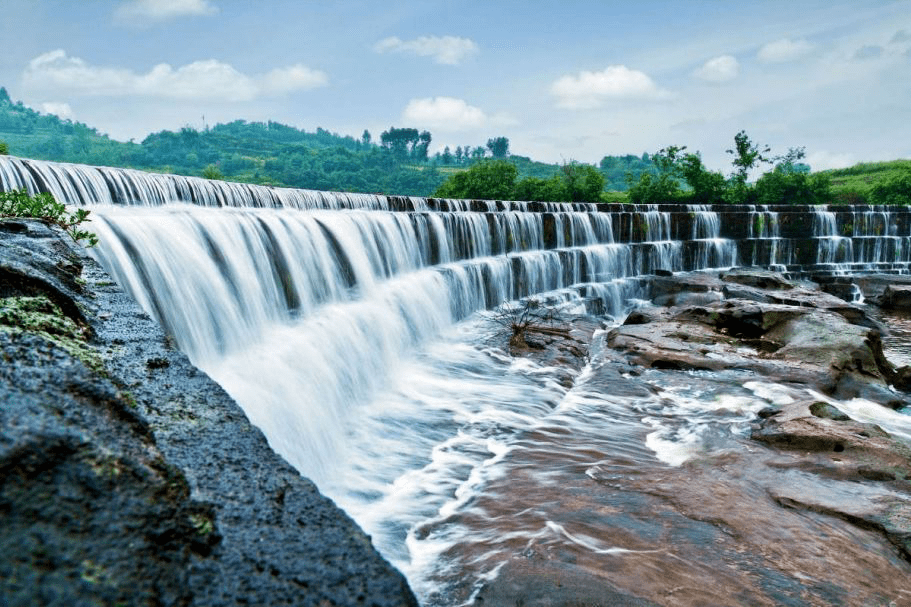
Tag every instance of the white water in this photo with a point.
(352, 330)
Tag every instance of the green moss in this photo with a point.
(40, 316)
(202, 524)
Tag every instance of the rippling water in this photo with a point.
(470, 463)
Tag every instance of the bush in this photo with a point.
(4, 148)
(212, 172)
(896, 190)
(18, 203)
(486, 180)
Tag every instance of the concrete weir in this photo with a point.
(350, 330)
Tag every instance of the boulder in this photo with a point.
(127, 476)
(896, 297)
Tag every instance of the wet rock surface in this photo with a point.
(127, 476)
(807, 506)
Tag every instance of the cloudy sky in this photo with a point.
(563, 79)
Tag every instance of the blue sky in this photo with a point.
(569, 79)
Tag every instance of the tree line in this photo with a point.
(399, 162)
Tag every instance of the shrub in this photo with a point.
(18, 203)
(212, 172)
(896, 190)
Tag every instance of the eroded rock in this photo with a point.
(127, 476)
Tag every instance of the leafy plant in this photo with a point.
(212, 172)
(43, 206)
(4, 148)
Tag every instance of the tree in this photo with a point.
(419, 148)
(663, 187)
(582, 182)
(446, 156)
(366, 138)
(486, 180)
(400, 141)
(541, 190)
(212, 172)
(747, 155)
(706, 187)
(478, 153)
(458, 155)
(499, 147)
(897, 190)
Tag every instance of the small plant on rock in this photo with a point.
(43, 206)
(528, 317)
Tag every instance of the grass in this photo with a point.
(852, 185)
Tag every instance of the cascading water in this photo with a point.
(352, 329)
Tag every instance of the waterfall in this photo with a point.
(338, 321)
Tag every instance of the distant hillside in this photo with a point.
(856, 184)
(395, 162)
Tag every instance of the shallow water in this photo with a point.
(470, 461)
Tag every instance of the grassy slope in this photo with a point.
(853, 184)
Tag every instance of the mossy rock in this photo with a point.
(40, 316)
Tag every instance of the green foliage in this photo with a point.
(487, 180)
(854, 184)
(681, 177)
(18, 203)
(212, 172)
(4, 148)
(499, 147)
(494, 179)
(620, 171)
(780, 186)
(896, 190)
(540, 189)
(662, 186)
(747, 155)
(581, 182)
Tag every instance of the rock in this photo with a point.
(760, 279)
(788, 332)
(896, 297)
(129, 476)
(866, 507)
(827, 411)
(832, 443)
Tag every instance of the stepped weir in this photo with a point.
(346, 325)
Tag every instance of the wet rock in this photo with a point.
(788, 331)
(867, 507)
(827, 411)
(128, 476)
(896, 297)
(539, 583)
(757, 278)
(834, 444)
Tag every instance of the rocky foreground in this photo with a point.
(809, 507)
(128, 477)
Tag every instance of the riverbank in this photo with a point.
(128, 476)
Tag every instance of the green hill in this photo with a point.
(856, 184)
(396, 162)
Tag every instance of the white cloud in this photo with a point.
(783, 50)
(292, 78)
(591, 89)
(207, 79)
(162, 10)
(448, 50)
(444, 114)
(62, 110)
(719, 69)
